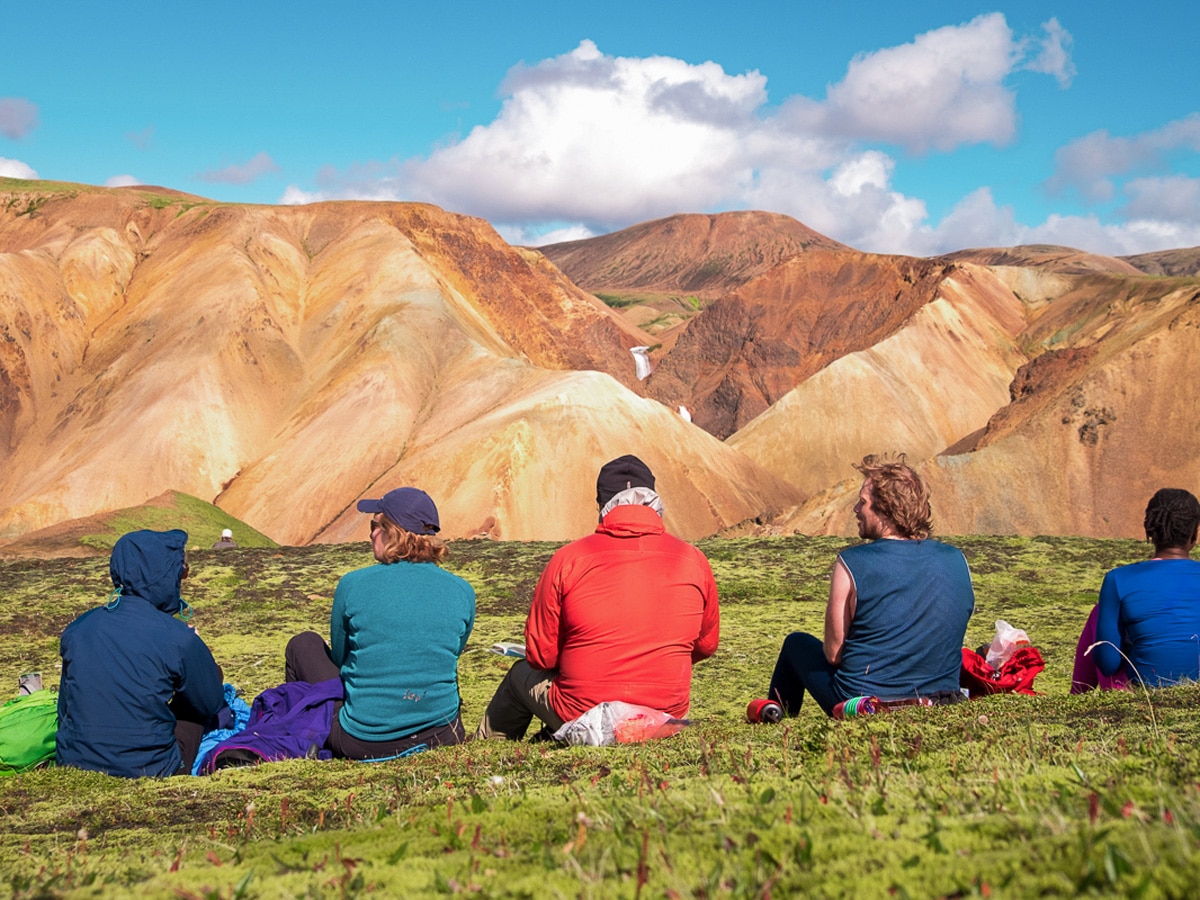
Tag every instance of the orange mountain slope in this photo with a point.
(1044, 389)
(1103, 414)
(287, 361)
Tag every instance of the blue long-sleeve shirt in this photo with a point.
(1150, 612)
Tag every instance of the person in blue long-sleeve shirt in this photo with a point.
(1148, 617)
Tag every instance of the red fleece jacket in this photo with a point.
(622, 614)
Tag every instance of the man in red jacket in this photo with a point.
(618, 615)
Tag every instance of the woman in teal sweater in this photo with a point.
(396, 632)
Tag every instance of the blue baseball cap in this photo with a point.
(410, 508)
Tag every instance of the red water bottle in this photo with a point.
(763, 711)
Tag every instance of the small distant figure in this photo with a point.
(685, 413)
(226, 542)
(1146, 624)
(621, 614)
(898, 606)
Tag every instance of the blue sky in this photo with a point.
(910, 128)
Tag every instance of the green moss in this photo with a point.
(1054, 795)
(201, 520)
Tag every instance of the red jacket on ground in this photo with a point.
(622, 614)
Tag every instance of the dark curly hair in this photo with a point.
(899, 494)
(1172, 516)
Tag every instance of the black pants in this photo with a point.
(307, 659)
(190, 727)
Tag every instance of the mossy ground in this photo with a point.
(1009, 796)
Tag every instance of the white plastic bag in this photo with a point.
(1005, 643)
(617, 722)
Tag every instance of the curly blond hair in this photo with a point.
(899, 494)
(400, 543)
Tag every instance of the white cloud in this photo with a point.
(294, 196)
(590, 142)
(123, 181)
(1172, 199)
(14, 168)
(18, 117)
(597, 142)
(600, 139)
(556, 236)
(940, 91)
(260, 164)
(1090, 164)
(1054, 54)
(1124, 239)
(977, 222)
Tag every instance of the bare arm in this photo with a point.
(840, 612)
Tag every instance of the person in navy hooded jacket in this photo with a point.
(138, 685)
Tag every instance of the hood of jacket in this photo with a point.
(631, 521)
(149, 564)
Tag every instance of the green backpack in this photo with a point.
(28, 726)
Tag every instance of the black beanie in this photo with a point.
(621, 474)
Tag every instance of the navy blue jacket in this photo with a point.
(123, 663)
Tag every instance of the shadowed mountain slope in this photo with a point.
(747, 350)
(1167, 262)
(1044, 389)
(921, 385)
(1044, 258)
(290, 360)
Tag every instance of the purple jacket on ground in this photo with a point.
(285, 721)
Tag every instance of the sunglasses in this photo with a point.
(375, 524)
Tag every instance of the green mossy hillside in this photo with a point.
(1054, 795)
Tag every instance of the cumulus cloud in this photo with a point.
(586, 142)
(123, 181)
(944, 89)
(18, 117)
(554, 236)
(14, 168)
(977, 221)
(594, 138)
(294, 196)
(1090, 164)
(261, 164)
(1172, 199)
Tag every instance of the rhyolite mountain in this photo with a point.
(283, 362)
(1043, 389)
